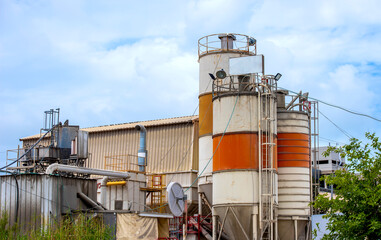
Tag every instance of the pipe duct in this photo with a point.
(74, 169)
(142, 152)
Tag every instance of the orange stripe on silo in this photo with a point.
(205, 114)
(236, 151)
(239, 151)
(293, 150)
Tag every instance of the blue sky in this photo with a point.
(108, 62)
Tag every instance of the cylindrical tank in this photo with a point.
(244, 164)
(236, 170)
(238, 129)
(236, 163)
(214, 54)
(294, 174)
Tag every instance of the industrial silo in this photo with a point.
(214, 52)
(244, 141)
(293, 168)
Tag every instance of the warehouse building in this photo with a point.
(172, 149)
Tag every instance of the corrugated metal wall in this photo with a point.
(30, 142)
(42, 197)
(171, 147)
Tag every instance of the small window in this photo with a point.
(118, 205)
(323, 162)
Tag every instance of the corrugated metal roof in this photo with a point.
(172, 145)
(114, 127)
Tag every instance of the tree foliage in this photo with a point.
(355, 212)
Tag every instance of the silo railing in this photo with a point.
(241, 43)
(244, 84)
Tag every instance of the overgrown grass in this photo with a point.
(78, 227)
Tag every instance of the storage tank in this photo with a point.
(244, 144)
(214, 52)
(294, 172)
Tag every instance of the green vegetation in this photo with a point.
(81, 227)
(355, 213)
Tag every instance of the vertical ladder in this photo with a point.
(266, 119)
(314, 147)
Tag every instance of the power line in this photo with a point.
(200, 173)
(335, 106)
(218, 145)
(330, 140)
(26, 152)
(200, 124)
(342, 130)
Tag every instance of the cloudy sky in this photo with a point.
(108, 62)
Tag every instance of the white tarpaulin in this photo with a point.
(131, 227)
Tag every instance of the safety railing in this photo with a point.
(244, 84)
(122, 163)
(240, 43)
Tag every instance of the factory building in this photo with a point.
(244, 163)
(172, 149)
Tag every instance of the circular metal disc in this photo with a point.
(176, 198)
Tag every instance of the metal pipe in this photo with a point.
(25, 153)
(199, 205)
(74, 169)
(117, 183)
(104, 190)
(142, 152)
(293, 100)
(89, 201)
(255, 227)
(214, 226)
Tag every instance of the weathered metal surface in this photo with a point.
(292, 122)
(171, 143)
(294, 191)
(130, 194)
(245, 117)
(239, 220)
(206, 165)
(238, 156)
(185, 179)
(294, 174)
(206, 114)
(235, 151)
(82, 144)
(234, 187)
(287, 229)
(205, 155)
(211, 64)
(66, 135)
(42, 198)
(114, 127)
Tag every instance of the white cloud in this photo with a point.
(106, 63)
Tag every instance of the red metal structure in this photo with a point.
(193, 225)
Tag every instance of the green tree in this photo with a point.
(355, 212)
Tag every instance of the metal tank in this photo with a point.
(244, 142)
(293, 169)
(214, 52)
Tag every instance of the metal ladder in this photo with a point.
(266, 144)
(314, 147)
